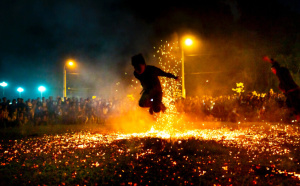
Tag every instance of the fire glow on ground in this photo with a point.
(230, 154)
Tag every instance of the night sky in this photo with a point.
(37, 37)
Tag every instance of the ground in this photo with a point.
(208, 154)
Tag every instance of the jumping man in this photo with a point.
(148, 76)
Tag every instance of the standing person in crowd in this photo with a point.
(38, 102)
(4, 103)
(12, 107)
(148, 77)
(51, 109)
(287, 85)
(30, 111)
(21, 105)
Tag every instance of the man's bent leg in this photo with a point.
(145, 100)
(157, 102)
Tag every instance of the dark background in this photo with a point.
(37, 37)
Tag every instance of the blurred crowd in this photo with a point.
(59, 111)
(233, 108)
(249, 107)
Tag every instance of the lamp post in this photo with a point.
(182, 75)
(69, 63)
(41, 89)
(20, 90)
(3, 84)
(187, 42)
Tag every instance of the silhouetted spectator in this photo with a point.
(12, 108)
(4, 102)
(287, 85)
(51, 109)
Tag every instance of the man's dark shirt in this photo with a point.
(149, 78)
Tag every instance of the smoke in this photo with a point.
(223, 61)
(131, 121)
(102, 36)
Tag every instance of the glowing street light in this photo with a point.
(42, 89)
(69, 63)
(20, 90)
(3, 84)
(188, 42)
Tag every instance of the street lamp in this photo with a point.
(187, 42)
(41, 89)
(3, 84)
(69, 63)
(20, 90)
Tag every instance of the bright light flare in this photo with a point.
(188, 42)
(42, 89)
(3, 84)
(70, 63)
(20, 89)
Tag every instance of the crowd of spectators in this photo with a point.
(248, 107)
(49, 111)
(233, 108)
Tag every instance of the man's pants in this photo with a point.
(151, 99)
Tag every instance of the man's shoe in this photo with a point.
(163, 108)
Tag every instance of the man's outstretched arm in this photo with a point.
(165, 74)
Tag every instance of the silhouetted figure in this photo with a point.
(51, 108)
(287, 85)
(148, 76)
(21, 105)
(12, 107)
(4, 103)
